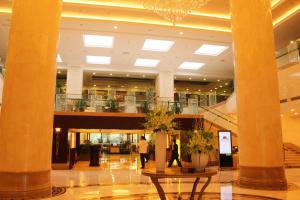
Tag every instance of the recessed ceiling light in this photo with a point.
(102, 60)
(187, 89)
(135, 87)
(211, 90)
(180, 33)
(95, 85)
(292, 110)
(140, 62)
(296, 113)
(98, 41)
(110, 74)
(224, 91)
(108, 86)
(199, 90)
(115, 27)
(191, 65)
(216, 88)
(292, 42)
(204, 79)
(94, 73)
(190, 78)
(59, 72)
(144, 75)
(220, 86)
(58, 59)
(226, 83)
(218, 80)
(127, 75)
(211, 50)
(157, 45)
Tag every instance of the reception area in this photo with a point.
(184, 99)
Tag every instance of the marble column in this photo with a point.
(74, 82)
(28, 100)
(258, 109)
(165, 86)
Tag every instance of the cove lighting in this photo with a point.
(98, 41)
(191, 65)
(140, 62)
(211, 50)
(102, 60)
(58, 59)
(157, 45)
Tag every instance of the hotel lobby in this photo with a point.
(98, 98)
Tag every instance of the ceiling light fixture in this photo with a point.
(115, 27)
(173, 10)
(141, 62)
(180, 33)
(101, 60)
(190, 78)
(98, 41)
(210, 50)
(59, 72)
(157, 45)
(191, 65)
(94, 73)
(110, 74)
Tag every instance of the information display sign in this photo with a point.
(225, 148)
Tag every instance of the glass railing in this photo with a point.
(289, 54)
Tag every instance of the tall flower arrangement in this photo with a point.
(160, 119)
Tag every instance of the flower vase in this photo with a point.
(160, 151)
(199, 161)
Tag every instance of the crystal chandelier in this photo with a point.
(173, 10)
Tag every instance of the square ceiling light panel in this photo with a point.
(211, 50)
(101, 60)
(98, 41)
(141, 62)
(191, 65)
(58, 59)
(157, 45)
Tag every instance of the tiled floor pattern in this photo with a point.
(119, 177)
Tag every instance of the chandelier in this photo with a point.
(173, 10)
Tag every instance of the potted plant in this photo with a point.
(112, 104)
(199, 147)
(80, 105)
(160, 121)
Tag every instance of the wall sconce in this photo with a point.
(57, 140)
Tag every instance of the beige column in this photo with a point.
(260, 138)
(28, 99)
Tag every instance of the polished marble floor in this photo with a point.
(119, 177)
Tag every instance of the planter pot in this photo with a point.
(199, 161)
(160, 151)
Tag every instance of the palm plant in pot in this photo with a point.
(200, 146)
(160, 121)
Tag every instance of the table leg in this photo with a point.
(159, 189)
(204, 187)
(194, 188)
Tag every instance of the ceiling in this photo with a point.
(209, 25)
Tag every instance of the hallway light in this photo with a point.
(211, 50)
(157, 45)
(191, 65)
(98, 41)
(141, 62)
(101, 60)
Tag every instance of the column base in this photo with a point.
(25, 185)
(262, 178)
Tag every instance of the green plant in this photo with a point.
(112, 104)
(80, 104)
(177, 107)
(201, 142)
(160, 119)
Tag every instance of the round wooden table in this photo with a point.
(176, 173)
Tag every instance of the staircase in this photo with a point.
(291, 155)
